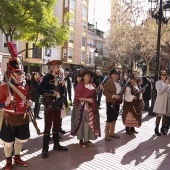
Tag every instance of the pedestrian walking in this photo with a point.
(111, 89)
(97, 81)
(51, 89)
(133, 105)
(15, 120)
(85, 122)
(147, 93)
(68, 85)
(160, 106)
(34, 84)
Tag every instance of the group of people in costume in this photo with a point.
(15, 103)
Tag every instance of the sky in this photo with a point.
(99, 11)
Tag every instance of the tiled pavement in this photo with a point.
(143, 151)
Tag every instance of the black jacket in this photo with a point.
(97, 80)
(34, 95)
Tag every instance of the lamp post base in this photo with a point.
(151, 113)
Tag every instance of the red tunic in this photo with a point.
(18, 107)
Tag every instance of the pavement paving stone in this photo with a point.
(143, 151)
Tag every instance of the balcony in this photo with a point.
(91, 61)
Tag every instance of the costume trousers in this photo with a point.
(52, 117)
(112, 113)
(37, 109)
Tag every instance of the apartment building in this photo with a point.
(95, 56)
(74, 51)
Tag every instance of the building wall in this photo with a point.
(78, 32)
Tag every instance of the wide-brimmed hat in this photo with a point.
(14, 65)
(54, 62)
(114, 71)
(86, 71)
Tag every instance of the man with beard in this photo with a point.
(52, 89)
(15, 120)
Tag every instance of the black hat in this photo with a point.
(85, 71)
(113, 72)
(14, 65)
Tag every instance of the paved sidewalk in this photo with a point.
(143, 151)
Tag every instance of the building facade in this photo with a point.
(74, 51)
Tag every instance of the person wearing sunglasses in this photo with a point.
(160, 106)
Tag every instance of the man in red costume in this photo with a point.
(15, 120)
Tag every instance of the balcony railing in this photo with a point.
(92, 61)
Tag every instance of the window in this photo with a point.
(83, 56)
(84, 25)
(70, 53)
(105, 63)
(72, 22)
(83, 41)
(85, 11)
(48, 52)
(92, 42)
(66, 3)
(71, 38)
(64, 53)
(72, 4)
(36, 52)
(26, 52)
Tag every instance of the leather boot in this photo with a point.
(157, 131)
(107, 127)
(45, 146)
(132, 129)
(8, 165)
(112, 130)
(128, 131)
(57, 145)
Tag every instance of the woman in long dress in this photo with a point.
(133, 106)
(85, 122)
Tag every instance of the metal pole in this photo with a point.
(154, 92)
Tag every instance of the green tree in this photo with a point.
(33, 21)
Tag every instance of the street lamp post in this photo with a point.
(159, 11)
(96, 54)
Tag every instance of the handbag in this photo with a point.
(130, 121)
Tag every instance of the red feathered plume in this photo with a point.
(12, 49)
